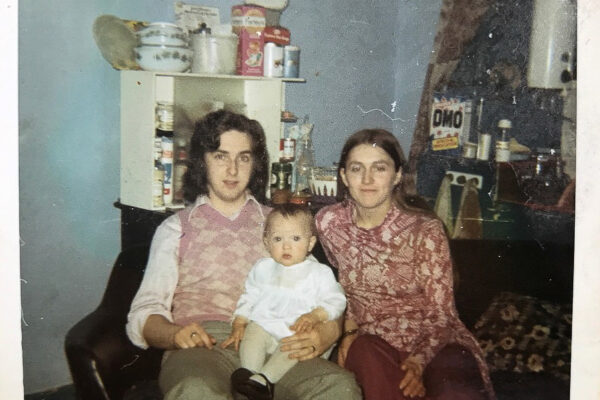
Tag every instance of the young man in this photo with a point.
(198, 262)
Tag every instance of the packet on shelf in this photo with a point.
(277, 34)
(248, 22)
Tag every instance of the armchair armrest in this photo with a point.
(104, 363)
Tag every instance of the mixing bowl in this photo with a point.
(163, 33)
(163, 58)
(323, 181)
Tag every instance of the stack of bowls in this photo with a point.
(164, 47)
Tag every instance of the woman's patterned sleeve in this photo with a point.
(434, 268)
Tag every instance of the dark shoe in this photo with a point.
(239, 377)
(252, 389)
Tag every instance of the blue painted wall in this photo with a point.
(355, 55)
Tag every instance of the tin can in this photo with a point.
(287, 148)
(469, 150)
(273, 63)
(281, 176)
(164, 116)
(291, 61)
(502, 151)
(483, 147)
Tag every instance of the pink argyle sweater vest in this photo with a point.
(215, 256)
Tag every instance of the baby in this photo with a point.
(285, 294)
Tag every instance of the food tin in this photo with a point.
(291, 61)
(273, 63)
(287, 149)
(502, 151)
(281, 176)
(469, 150)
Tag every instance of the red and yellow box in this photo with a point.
(249, 22)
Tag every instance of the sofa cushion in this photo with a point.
(524, 334)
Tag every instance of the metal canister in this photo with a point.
(273, 63)
(164, 116)
(291, 61)
(281, 176)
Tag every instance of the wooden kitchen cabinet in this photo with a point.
(193, 95)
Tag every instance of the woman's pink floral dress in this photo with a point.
(398, 281)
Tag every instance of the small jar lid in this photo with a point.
(504, 124)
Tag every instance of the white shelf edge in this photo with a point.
(242, 77)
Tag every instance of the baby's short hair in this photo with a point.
(288, 210)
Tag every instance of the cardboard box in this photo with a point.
(248, 22)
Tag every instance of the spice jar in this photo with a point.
(281, 182)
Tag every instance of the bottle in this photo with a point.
(281, 173)
(158, 177)
(502, 145)
(164, 132)
(287, 144)
(304, 163)
(180, 167)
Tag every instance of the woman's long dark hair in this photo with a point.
(207, 138)
(388, 143)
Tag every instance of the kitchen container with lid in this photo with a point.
(214, 53)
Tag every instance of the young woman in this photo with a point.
(402, 335)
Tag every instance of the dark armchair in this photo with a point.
(104, 364)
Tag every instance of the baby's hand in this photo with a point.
(305, 323)
(238, 327)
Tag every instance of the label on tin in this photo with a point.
(288, 149)
(281, 176)
(291, 61)
(164, 116)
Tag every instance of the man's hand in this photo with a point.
(306, 322)
(193, 335)
(412, 383)
(238, 327)
(307, 345)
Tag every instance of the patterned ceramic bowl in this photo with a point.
(323, 181)
(163, 33)
(163, 58)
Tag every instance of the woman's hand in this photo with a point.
(238, 327)
(343, 349)
(193, 335)
(412, 383)
(350, 333)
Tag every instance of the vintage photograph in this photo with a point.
(299, 199)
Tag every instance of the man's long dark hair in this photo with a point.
(388, 143)
(207, 139)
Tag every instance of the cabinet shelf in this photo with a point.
(236, 77)
(193, 96)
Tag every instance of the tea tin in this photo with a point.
(273, 63)
(291, 61)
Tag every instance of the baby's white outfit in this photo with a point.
(274, 297)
